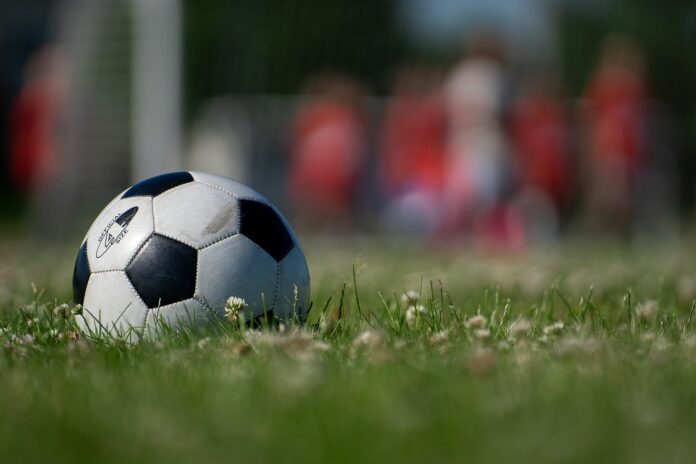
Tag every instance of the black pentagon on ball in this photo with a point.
(262, 225)
(163, 271)
(80, 275)
(156, 185)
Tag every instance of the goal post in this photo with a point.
(156, 88)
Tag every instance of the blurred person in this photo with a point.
(412, 152)
(327, 151)
(34, 121)
(478, 164)
(614, 113)
(539, 134)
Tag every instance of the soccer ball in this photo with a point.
(172, 249)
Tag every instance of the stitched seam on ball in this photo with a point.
(221, 239)
(238, 197)
(173, 189)
(185, 242)
(205, 305)
(137, 251)
(198, 271)
(244, 197)
(250, 241)
(107, 271)
(217, 187)
(137, 295)
(168, 306)
(147, 313)
(277, 286)
(152, 210)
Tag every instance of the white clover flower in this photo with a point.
(439, 337)
(482, 334)
(555, 328)
(520, 328)
(476, 322)
(410, 298)
(321, 346)
(27, 340)
(62, 310)
(413, 313)
(367, 339)
(647, 311)
(233, 307)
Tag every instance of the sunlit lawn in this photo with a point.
(583, 353)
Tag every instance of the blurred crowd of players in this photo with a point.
(474, 153)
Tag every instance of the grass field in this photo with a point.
(585, 353)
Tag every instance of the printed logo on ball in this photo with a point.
(115, 230)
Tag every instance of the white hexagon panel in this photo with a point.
(118, 233)
(112, 306)
(196, 214)
(236, 266)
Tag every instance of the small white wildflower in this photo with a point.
(320, 346)
(686, 288)
(575, 346)
(690, 341)
(53, 333)
(62, 310)
(647, 311)
(439, 337)
(555, 328)
(520, 328)
(476, 322)
(367, 339)
(410, 298)
(233, 307)
(482, 333)
(413, 313)
(27, 340)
